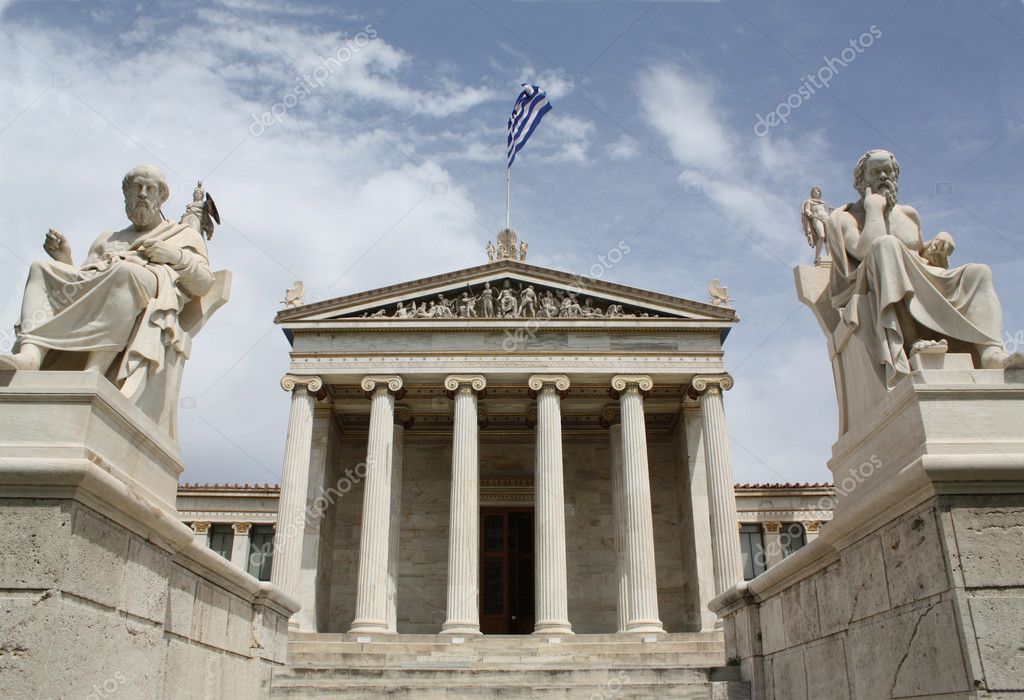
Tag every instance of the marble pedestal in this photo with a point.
(916, 587)
(103, 591)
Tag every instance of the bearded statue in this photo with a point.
(129, 312)
(897, 291)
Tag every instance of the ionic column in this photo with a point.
(464, 531)
(291, 507)
(202, 533)
(240, 545)
(772, 543)
(403, 420)
(725, 541)
(610, 419)
(372, 581)
(551, 595)
(638, 520)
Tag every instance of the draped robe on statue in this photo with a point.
(118, 301)
(958, 305)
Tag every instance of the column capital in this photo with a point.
(772, 527)
(200, 528)
(392, 383)
(713, 383)
(622, 382)
(312, 383)
(474, 382)
(404, 417)
(542, 382)
(811, 526)
(610, 415)
(241, 528)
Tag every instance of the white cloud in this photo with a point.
(327, 200)
(623, 148)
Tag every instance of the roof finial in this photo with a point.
(509, 247)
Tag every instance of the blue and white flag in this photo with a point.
(530, 108)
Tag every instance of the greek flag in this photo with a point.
(530, 108)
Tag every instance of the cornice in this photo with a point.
(490, 270)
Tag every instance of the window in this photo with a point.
(261, 551)
(222, 536)
(791, 538)
(752, 547)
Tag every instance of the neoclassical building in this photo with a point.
(238, 520)
(506, 449)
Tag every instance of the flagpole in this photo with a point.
(508, 197)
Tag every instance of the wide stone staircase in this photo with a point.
(592, 666)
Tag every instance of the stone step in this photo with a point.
(302, 647)
(507, 661)
(553, 682)
(503, 640)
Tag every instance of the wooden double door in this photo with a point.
(506, 570)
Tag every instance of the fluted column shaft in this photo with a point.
(638, 521)
(551, 594)
(622, 599)
(291, 507)
(372, 582)
(463, 609)
(725, 540)
(397, 455)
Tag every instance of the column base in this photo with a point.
(461, 629)
(647, 627)
(549, 628)
(370, 627)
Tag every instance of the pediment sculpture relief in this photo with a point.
(507, 299)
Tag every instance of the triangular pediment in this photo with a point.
(506, 290)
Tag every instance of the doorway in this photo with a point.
(506, 570)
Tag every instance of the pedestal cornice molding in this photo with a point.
(475, 382)
(621, 382)
(312, 383)
(539, 382)
(715, 383)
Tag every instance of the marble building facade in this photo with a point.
(462, 447)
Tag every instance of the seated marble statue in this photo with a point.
(894, 289)
(120, 313)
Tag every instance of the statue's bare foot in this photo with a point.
(997, 358)
(929, 347)
(23, 360)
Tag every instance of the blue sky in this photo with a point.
(391, 167)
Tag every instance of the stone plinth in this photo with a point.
(914, 589)
(80, 415)
(103, 591)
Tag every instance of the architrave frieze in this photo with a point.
(688, 363)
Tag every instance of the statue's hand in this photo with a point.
(161, 252)
(938, 250)
(57, 246)
(873, 203)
